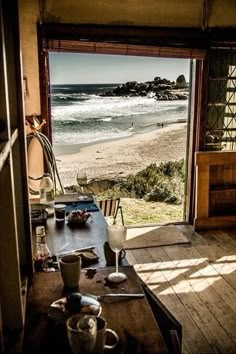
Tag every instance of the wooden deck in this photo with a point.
(197, 284)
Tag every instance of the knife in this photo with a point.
(117, 296)
(60, 309)
(77, 250)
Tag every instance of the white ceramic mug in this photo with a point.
(81, 332)
(70, 266)
(102, 333)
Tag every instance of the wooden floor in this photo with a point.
(197, 284)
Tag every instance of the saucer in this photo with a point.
(59, 312)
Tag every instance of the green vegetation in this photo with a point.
(163, 183)
(140, 212)
(153, 195)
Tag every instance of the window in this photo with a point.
(221, 107)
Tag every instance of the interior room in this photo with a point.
(66, 285)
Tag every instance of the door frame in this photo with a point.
(185, 43)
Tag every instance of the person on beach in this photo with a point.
(131, 127)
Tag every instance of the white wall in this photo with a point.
(29, 16)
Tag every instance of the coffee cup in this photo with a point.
(89, 334)
(81, 333)
(70, 267)
(111, 255)
(60, 212)
(103, 333)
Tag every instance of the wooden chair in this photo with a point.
(110, 207)
(171, 329)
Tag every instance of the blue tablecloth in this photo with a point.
(82, 206)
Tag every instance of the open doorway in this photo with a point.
(124, 119)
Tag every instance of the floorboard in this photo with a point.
(210, 301)
(154, 276)
(218, 283)
(197, 284)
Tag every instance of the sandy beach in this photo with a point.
(119, 158)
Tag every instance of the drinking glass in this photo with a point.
(116, 236)
(82, 179)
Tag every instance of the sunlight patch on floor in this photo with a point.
(231, 258)
(181, 275)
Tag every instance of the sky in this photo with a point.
(77, 68)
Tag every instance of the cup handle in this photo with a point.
(115, 335)
(123, 253)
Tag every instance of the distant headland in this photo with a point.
(160, 89)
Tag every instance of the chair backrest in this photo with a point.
(109, 207)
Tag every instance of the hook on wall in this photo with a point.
(34, 123)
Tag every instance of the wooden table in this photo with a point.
(62, 237)
(132, 319)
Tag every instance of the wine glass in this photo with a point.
(82, 179)
(116, 236)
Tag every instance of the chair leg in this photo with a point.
(175, 343)
(121, 213)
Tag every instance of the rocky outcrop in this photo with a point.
(94, 186)
(181, 82)
(160, 89)
(97, 186)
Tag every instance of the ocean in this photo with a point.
(81, 116)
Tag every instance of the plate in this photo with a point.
(83, 197)
(75, 303)
(77, 217)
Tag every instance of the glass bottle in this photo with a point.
(46, 190)
(42, 249)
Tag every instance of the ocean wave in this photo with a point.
(102, 108)
(80, 115)
(85, 137)
(70, 98)
(106, 119)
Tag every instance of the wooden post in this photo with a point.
(10, 282)
(1, 333)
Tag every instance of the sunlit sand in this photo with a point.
(118, 158)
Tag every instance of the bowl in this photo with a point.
(38, 213)
(77, 217)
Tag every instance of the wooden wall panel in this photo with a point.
(165, 13)
(215, 190)
(202, 189)
(183, 13)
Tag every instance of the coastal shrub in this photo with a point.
(159, 183)
(168, 190)
(164, 182)
(172, 168)
(113, 192)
